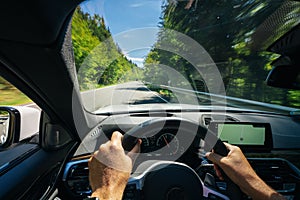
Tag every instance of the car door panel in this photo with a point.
(31, 178)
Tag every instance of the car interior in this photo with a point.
(178, 117)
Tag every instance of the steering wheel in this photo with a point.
(169, 179)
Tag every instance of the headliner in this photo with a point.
(35, 21)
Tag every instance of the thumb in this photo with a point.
(215, 158)
(135, 151)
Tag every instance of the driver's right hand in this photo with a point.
(237, 168)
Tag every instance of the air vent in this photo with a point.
(79, 171)
(77, 179)
(277, 173)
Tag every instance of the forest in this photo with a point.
(226, 29)
(99, 61)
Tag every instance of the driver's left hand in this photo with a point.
(110, 168)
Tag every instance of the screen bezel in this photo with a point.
(268, 143)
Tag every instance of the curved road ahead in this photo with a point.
(122, 94)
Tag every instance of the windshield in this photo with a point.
(144, 53)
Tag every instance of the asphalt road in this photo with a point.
(123, 94)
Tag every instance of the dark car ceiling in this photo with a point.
(34, 21)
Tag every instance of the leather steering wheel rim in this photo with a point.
(211, 140)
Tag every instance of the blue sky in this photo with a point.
(133, 23)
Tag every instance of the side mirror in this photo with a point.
(284, 76)
(4, 125)
(9, 126)
(17, 123)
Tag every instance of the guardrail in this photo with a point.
(233, 101)
(105, 94)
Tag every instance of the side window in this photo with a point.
(19, 116)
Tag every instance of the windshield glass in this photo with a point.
(137, 54)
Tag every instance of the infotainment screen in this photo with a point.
(248, 136)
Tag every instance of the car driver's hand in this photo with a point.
(235, 164)
(110, 168)
(238, 169)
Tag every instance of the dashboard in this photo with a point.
(276, 165)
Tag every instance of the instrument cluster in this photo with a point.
(162, 144)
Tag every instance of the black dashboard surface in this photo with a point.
(284, 128)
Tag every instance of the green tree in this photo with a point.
(98, 59)
(82, 37)
(233, 32)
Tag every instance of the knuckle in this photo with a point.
(114, 147)
(235, 148)
(102, 147)
(238, 148)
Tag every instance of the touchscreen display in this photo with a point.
(241, 134)
(247, 135)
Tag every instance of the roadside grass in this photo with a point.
(12, 96)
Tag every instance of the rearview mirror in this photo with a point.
(284, 76)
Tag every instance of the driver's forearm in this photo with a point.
(108, 194)
(111, 190)
(110, 185)
(258, 189)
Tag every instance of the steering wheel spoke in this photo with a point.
(149, 182)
